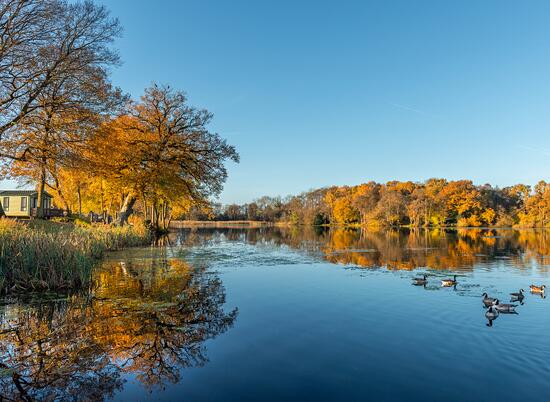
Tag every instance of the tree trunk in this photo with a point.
(168, 217)
(79, 194)
(103, 213)
(57, 188)
(40, 202)
(126, 210)
(162, 214)
(2, 213)
(145, 211)
(155, 220)
(110, 211)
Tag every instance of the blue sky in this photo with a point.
(316, 93)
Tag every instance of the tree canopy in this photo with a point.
(65, 128)
(435, 202)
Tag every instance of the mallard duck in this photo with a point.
(537, 289)
(420, 281)
(518, 295)
(449, 282)
(505, 308)
(488, 301)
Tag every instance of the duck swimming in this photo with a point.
(505, 308)
(488, 301)
(518, 295)
(449, 282)
(420, 281)
(537, 289)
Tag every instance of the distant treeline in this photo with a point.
(436, 202)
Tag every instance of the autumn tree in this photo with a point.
(162, 150)
(365, 198)
(391, 207)
(66, 105)
(537, 207)
(252, 211)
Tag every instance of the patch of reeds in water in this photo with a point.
(37, 255)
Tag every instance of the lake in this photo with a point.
(304, 314)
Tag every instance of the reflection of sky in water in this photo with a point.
(320, 317)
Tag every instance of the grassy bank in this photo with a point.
(39, 255)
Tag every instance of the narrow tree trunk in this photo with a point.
(155, 220)
(79, 195)
(145, 211)
(2, 213)
(103, 214)
(110, 211)
(162, 213)
(57, 188)
(126, 210)
(40, 202)
(167, 217)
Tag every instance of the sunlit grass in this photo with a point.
(40, 255)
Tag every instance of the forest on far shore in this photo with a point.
(435, 202)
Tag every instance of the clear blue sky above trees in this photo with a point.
(315, 93)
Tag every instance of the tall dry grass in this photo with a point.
(40, 255)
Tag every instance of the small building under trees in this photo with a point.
(23, 204)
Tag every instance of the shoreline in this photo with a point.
(257, 224)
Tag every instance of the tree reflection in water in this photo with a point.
(400, 249)
(149, 317)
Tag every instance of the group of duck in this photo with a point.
(444, 282)
(493, 305)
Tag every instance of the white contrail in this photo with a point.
(412, 109)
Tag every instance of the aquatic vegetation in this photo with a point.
(42, 255)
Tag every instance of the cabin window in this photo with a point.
(33, 202)
(23, 203)
(6, 203)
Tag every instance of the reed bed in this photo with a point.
(39, 255)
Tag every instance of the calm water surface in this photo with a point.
(291, 314)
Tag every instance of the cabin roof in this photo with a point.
(22, 193)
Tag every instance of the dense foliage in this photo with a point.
(436, 202)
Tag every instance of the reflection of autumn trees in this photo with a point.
(147, 317)
(536, 243)
(409, 249)
(436, 248)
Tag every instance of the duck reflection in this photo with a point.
(148, 317)
(491, 314)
